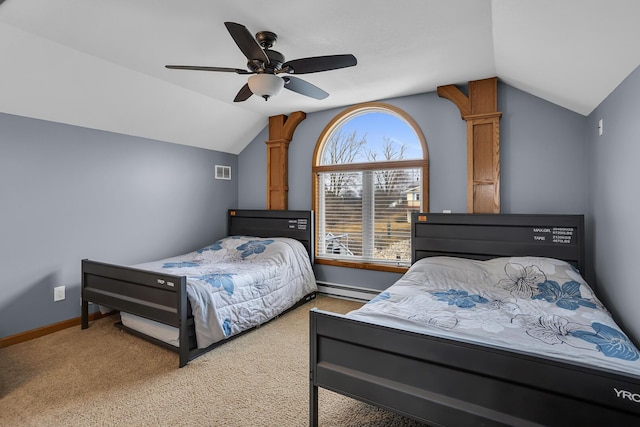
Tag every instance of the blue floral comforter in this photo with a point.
(536, 305)
(240, 282)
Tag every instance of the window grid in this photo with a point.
(368, 218)
(364, 202)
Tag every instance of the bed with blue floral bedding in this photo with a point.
(492, 325)
(535, 305)
(233, 285)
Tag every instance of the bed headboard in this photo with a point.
(273, 223)
(486, 236)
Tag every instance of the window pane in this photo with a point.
(370, 137)
(341, 223)
(394, 201)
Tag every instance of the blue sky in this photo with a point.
(377, 125)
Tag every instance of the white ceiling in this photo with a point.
(100, 64)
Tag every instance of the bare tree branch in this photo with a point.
(342, 148)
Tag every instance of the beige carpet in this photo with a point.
(103, 377)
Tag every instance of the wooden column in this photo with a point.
(480, 110)
(281, 130)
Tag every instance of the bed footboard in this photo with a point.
(445, 382)
(155, 296)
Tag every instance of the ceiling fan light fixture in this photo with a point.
(265, 85)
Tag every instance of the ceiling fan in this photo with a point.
(265, 66)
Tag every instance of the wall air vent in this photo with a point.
(223, 172)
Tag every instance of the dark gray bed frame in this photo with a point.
(163, 297)
(447, 382)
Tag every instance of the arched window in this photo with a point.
(370, 171)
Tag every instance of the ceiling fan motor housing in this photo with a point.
(276, 59)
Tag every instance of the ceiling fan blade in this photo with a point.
(246, 42)
(223, 69)
(316, 64)
(243, 94)
(303, 87)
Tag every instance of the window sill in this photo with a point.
(361, 265)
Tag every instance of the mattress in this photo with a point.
(539, 306)
(157, 330)
(234, 284)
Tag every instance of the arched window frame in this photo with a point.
(318, 167)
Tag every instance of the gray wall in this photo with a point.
(543, 156)
(68, 193)
(543, 167)
(614, 204)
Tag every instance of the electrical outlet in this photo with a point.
(58, 293)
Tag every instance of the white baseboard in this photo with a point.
(347, 291)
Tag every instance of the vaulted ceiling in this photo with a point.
(100, 64)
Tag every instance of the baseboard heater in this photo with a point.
(347, 291)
